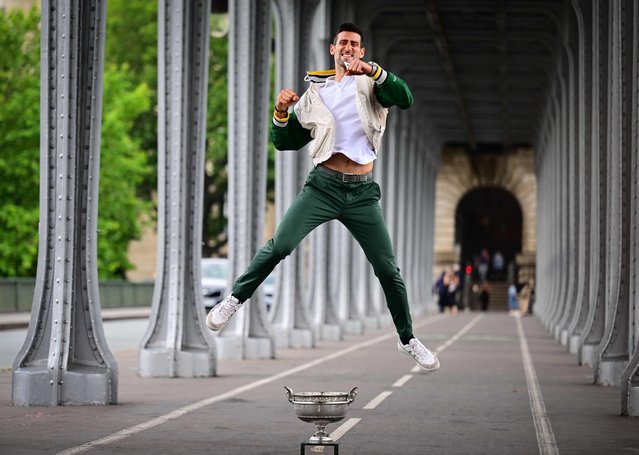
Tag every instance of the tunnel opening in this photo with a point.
(490, 219)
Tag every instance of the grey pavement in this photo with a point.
(478, 403)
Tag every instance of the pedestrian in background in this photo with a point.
(484, 264)
(484, 295)
(513, 302)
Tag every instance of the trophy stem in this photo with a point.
(320, 436)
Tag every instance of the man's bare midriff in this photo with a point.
(341, 163)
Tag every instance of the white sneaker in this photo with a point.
(423, 357)
(221, 313)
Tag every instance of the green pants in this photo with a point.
(356, 206)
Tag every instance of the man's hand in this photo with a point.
(286, 99)
(357, 68)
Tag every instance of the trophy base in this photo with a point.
(312, 448)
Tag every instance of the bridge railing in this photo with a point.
(16, 294)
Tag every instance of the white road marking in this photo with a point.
(545, 436)
(123, 434)
(377, 400)
(343, 428)
(403, 380)
(457, 336)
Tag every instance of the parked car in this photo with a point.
(214, 281)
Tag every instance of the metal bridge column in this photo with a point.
(403, 164)
(65, 359)
(583, 87)
(411, 269)
(321, 289)
(595, 320)
(248, 334)
(558, 203)
(613, 351)
(550, 175)
(432, 166)
(176, 343)
(388, 185)
(377, 312)
(290, 315)
(563, 151)
(572, 171)
(630, 376)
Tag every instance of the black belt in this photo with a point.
(346, 178)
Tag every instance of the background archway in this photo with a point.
(461, 173)
(491, 218)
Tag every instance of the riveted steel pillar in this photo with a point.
(595, 319)
(630, 376)
(376, 313)
(320, 288)
(374, 303)
(337, 305)
(572, 170)
(65, 359)
(583, 16)
(432, 165)
(403, 164)
(565, 262)
(559, 253)
(176, 343)
(389, 185)
(248, 334)
(291, 319)
(612, 353)
(550, 235)
(423, 221)
(410, 249)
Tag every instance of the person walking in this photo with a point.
(484, 295)
(343, 116)
(513, 301)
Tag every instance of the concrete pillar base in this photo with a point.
(79, 385)
(294, 338)
(167, 363)
(563, 337)
(610, 372)
(353, 327)
(556, 332)
(573, 345)
(302, 338)
(258, 348)
(229, 347)
(633, 402)
(588, 355)
(330, 332)
(372, 323)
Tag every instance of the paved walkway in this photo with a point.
(505, 387)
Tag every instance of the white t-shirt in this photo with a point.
(350, 138)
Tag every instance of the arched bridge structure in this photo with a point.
(560, 78)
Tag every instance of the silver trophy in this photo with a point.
(321, 408)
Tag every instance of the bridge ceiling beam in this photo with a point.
(466, 60)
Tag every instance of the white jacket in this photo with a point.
(315, 116)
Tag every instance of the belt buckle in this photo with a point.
(345, 179)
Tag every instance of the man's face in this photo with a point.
(347, 48)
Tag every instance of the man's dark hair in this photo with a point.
(349, 27)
